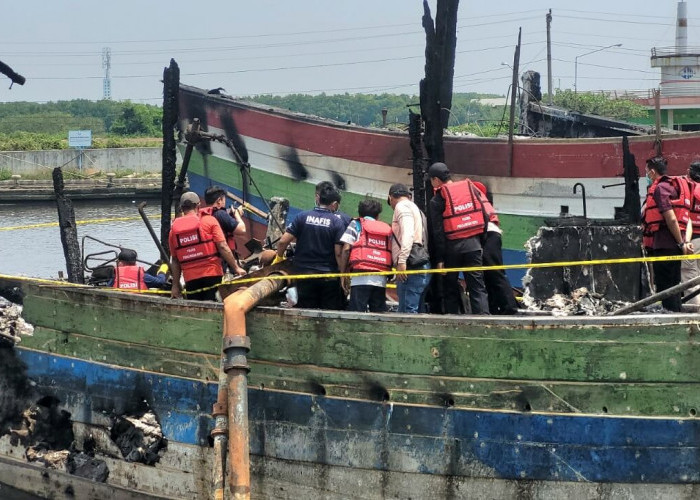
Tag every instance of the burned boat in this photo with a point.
(385, 406)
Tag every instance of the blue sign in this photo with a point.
(79, 138)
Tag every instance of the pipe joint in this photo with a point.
(235, 353)
(219, 410)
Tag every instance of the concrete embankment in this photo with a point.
(33, 163)
(105, 173)
(19, 190)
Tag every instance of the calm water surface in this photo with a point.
(38, 252)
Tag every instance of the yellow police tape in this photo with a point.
(79, 223)
(536, 265)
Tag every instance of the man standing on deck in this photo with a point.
(500, 293)
(231, 223)
(197, 245)
(318, 234)
(409, 229)
(664, 220)
(459, 223)
(690, 268)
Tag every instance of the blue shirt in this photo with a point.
(317, 232)
(227, 222)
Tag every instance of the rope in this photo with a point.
(538, 265)
(79, 223)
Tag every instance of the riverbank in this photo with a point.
(18, 190)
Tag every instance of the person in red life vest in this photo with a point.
(664, 220)
(128, 275)
(459, 222)
(367, 247)
(231, 223)
(690, 268)
(500, 293)
(197, 245)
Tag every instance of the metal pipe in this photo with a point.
(674, 290)
(236, 345)
(163, 254)
(220, 435)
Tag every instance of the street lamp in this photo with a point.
(587, 53)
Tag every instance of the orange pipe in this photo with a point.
(236, 346)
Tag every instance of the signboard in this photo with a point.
(79, 138)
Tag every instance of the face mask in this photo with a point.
(649, 181)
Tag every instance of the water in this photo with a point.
(37, 252)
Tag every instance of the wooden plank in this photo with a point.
(633, 353)
(141, 357)
(620, 398)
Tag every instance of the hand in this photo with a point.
(239, 271)
(688, 248)
(441, 265)
(401, 272)
(345, 284)
(277, 259)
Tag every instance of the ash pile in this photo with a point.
(12, 326)
(584, 290)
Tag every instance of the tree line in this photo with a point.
(29, 126)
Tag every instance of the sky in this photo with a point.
(332, 46)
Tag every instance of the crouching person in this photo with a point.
(367, 247)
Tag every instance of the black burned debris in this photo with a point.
(140, 438)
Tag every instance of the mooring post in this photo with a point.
(69, 231)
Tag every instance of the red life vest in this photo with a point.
(129, 277)
(191, 248)
(230, 240)
(372, 250)
(464, 211)
(653, 219)
(694, 188)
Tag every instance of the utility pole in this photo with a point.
(549, 57)
(513, 92)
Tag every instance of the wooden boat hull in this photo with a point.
(530, 179)
(382, 405)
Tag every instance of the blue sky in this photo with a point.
(313, 46)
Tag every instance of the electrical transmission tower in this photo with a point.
(107, 81)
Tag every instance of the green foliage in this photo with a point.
(102, 117)
(137, 120)
(366, 109)
(5, 173)
(598, 104)
(27, 141)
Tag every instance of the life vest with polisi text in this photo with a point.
(372, 250)
(192, 249)
(463, 216)
(694, 188)
(129, 277)
(230, 240)
(653, 219)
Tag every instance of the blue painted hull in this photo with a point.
(390, 437)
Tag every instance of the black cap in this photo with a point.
(439, 170)
(694, 171)
(398, 190)
(127, 255)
